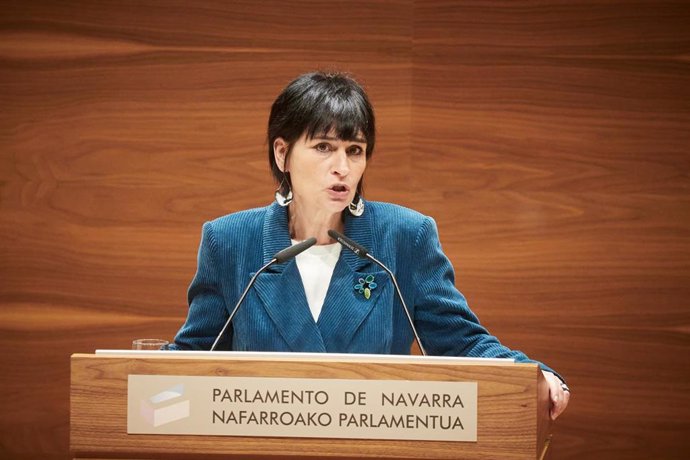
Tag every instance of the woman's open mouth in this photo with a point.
(339, 191)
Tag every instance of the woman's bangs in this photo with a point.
(344, 119)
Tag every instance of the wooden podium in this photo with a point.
(512, 405)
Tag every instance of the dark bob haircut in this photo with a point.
(320, 103)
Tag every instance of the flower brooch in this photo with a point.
(365, 286)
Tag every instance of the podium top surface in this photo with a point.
(283, 356)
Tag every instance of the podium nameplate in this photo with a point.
(302, 407)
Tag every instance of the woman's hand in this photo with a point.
(558, 393)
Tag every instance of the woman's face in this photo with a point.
(324, 170)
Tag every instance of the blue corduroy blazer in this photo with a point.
(275, 315)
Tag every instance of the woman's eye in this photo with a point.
(323, 147)
(355, 150)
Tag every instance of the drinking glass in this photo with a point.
(148, 344)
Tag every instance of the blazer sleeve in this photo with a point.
(207, 310)
(445, 322)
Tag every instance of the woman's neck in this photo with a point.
(303, 224)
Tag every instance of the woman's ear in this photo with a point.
(280, 149)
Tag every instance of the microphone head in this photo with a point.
(357, 248)
(291, 251)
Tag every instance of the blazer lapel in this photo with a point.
(283, 298)
(281, 291)
(345, 308)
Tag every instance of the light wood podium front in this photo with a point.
(512, 405)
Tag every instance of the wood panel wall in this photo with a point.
(548, 139)
(561, 133)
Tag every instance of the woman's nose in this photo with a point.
(341, 165)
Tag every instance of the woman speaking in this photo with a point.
(321, 134)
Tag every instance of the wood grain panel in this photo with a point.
(561, 129)
(548, 139)
(126, 125)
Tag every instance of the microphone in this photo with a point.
(362, 252)
(280, 257)
(291, 251)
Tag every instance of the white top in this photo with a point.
(316, 266)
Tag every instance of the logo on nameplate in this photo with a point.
(165, 407)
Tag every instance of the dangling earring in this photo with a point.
(356, 208)
(283, 200)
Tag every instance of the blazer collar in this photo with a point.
(276, 236)
(359, 229)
